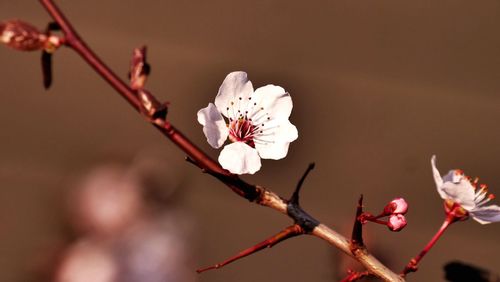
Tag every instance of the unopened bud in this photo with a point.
(396, 206)
(139, 69)
(21, 36)
(396, 222)
(25, 37)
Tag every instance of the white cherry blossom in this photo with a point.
(457, 188)
(255, 122)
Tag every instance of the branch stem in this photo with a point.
(284, 234)
(254, 193)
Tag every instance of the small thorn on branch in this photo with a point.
(357, 229)
(46, 69)
(191, 161)
(53, 26)
(295, 196)
(242, 188)
(286, 233)
(293, 209)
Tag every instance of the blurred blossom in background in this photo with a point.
(126, 226)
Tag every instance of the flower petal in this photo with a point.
(233, 94)
(214, 126)
(275, 151)
(461, 193)
(274, 143)
(437, 178)
(240, 158)
(485, 215)
(273, 101)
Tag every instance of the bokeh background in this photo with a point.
(378, 87)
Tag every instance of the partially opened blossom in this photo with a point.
(255, 122)
(460, 191)
(396, 206)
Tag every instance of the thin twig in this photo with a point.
(251, 192)
(287, 233)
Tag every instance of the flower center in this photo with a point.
(455, 211)
(242, 130)
(248, 122)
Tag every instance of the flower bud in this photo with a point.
(21, 36)
(396, 222)
(139, 69)
(396, 206)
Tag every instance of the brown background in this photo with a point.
(378, 87)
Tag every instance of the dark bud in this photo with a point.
(139, 68)
(21, 36)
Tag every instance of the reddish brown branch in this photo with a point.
(286, 233)
(74, 41)
(251, 192)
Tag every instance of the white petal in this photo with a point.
(462, 193)
(272, 100)
(274, 151)
(282, 131)
(485, 215)
(233, 94)
(214, 126)
(437, 178)
(273, 144)
(239, 158)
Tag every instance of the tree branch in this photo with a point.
(287, 233)
(251, 192)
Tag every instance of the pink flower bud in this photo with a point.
(396, 206)
(396, 222)
(21, 36)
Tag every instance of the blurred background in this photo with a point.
(86, 186)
